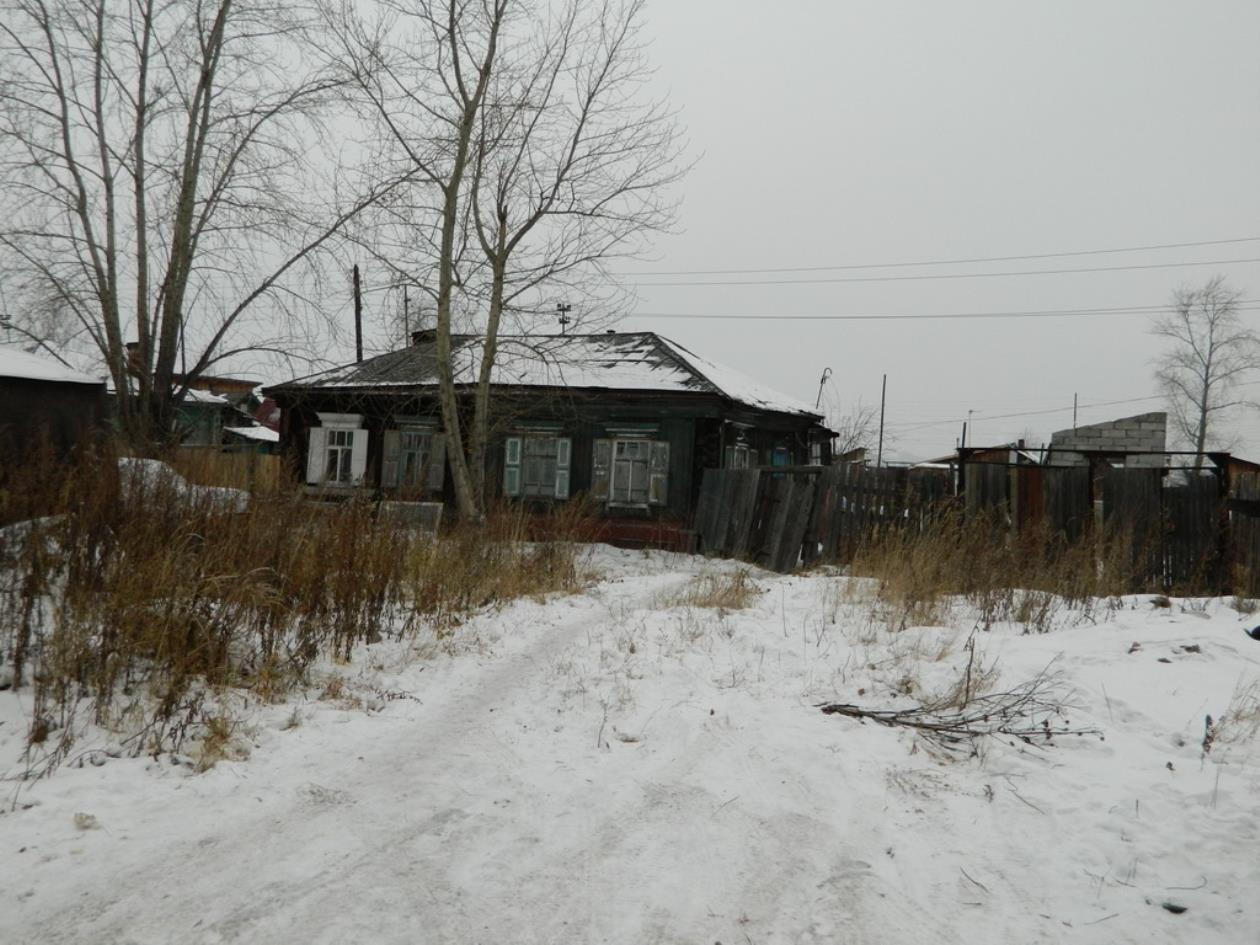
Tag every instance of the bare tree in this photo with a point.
(1210, 352)
(422, 68)
(156, 180)
(855, 428)
(534, 164)
(571, 172)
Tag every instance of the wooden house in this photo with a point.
(43, 402)
(627, 419)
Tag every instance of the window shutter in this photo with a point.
(437, 462)
(563, 449)
(391, 446)
(601, 471)
(512, 466)
(315, 455)
(658, 488)
(358, 456)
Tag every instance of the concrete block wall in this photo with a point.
(1145, 432)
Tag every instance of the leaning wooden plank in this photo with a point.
(744, 507)
(796, 525)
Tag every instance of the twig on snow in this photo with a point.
(975, 881)
(1032, 711)
(1200, 886)
(1103, 919)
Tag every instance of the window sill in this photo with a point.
(312, 488)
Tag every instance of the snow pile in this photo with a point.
(613, 767)
(147, 475)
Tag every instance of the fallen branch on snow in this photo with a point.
(1033, 712)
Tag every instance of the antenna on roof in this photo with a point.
(563, 309)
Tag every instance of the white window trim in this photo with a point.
(318, 446)
(341, 421)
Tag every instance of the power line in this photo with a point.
(1035, 413)
(1243, 305)
(1026, 413)
(942, 275)
(943, 262)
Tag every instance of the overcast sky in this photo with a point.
(839, 134)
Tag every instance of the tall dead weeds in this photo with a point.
(1028, 578)
(120, 585)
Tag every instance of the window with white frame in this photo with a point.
(337, 451)
(536, 466)
(631, 471)
(339, 457)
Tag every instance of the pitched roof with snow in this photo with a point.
(625, 361)
(14, 362)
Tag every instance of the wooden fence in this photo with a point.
(246, 469)
(1184, 529)
(777, 516)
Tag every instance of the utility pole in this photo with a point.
(358, 316)
(406, 317)
(821, 382)
(879, 455)
(563, 309)
(966, 426)
(1073, 411)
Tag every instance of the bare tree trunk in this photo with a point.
(480, 436)
(467, 497)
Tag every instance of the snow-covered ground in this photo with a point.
(610, 768)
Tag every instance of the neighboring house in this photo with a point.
(200, 418)
(628, 419)
(1116, 441)
(1006, 454)
(42, 400)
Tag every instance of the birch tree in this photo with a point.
(422, 67)
(573, 169)
(160, 180)
(1209, 353)
(535, 161)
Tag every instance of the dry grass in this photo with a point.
(1240, 722)
(733, 590)
(1027, 578)
(131, 589)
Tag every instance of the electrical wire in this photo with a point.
(1242, 305)
(943, 275)
(1009, 416)
(943, 262)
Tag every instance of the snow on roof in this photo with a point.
(637, 361)
(194, 396)
(741, 387)
(262, 434)
(14, 362)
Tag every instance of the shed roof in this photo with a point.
(261, 434)
(14, 362)
(623, 361)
